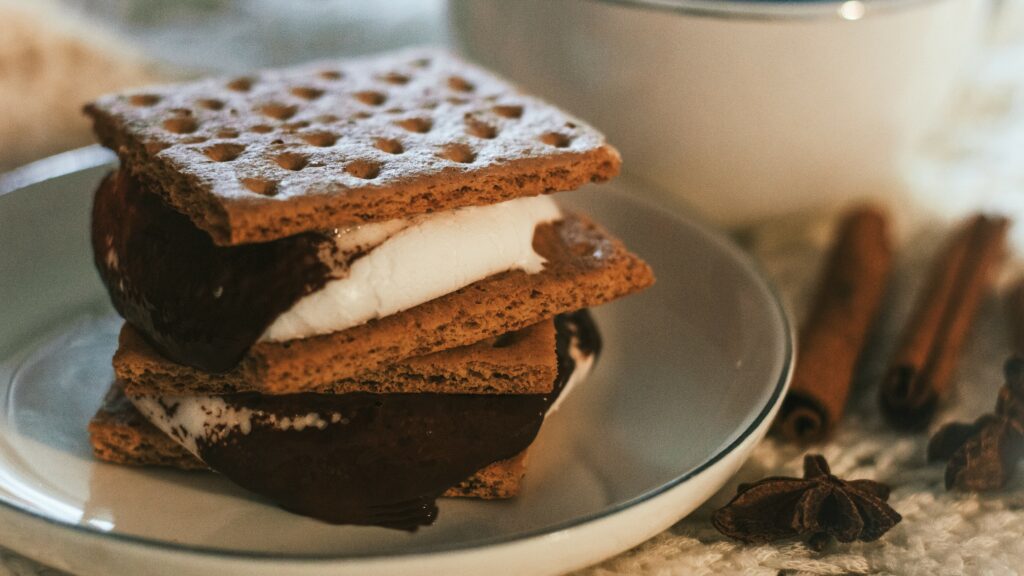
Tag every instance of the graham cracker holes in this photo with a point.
(460, 84)
(394, 78)
(224, 152)
(143, 99)
(479, 128)
(556, 139)
(370, 97)
(506, 111)
(389, 145)
(307, 92)
(291, 161)
(243, 84)
(321, 139)
(418, 125)
(364, 169)
(210, 103)
(261, 186)
(181, 124)
(278, 111)
(293, 126)
(457, 153)
(348, 125)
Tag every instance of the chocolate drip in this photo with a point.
(581, 325)
(383, 459)
(197, 303)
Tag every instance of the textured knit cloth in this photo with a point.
(975, 162)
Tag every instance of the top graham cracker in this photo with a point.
(338, 143)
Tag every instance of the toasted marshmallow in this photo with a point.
(412, 262)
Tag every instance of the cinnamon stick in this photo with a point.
(849, 297)
(922, 368)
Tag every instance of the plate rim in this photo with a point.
(95, 156)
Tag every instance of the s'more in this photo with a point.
(346, 286)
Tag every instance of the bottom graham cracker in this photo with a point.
(121, 435)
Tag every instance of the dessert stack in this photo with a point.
(345, 286)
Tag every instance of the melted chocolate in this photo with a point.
(197, 303)
(385, 458)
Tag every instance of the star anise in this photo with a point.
(817, 508)
(983, 455)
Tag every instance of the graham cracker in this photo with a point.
(522, 362)
(337, 143)
(585, 267)
(121, 435)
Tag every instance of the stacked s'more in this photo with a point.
(345, 285)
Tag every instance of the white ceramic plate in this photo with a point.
(691, 375)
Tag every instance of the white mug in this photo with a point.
(744, 109)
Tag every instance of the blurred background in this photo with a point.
(56, 55)
(744, 109)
